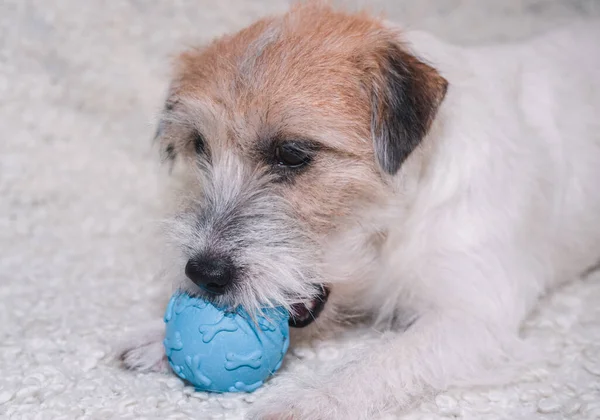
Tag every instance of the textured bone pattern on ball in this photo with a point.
(221, 351)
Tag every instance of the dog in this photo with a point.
(354, 173)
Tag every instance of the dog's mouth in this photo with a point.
(304, 314)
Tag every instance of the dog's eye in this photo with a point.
(199, 143)
(292, 155)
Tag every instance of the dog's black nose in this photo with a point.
(210, 273)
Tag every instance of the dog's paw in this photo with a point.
(148, 357)
(292, 401)
(145, 351)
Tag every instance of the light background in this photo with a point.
(80, 82)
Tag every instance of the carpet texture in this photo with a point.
(80, 82)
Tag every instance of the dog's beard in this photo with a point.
(236, 215)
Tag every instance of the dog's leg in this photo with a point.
(440, 349)
(144, 350)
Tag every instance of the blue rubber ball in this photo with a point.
(222, 351)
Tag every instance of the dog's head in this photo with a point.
(286, 132)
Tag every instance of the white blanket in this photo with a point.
(80, 82)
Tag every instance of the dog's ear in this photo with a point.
(406, 96)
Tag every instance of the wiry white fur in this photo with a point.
(231, 210)
(500, 205)
(503, 206)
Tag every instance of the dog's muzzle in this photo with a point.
(305, 313)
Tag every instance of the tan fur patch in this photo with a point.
(309, 74)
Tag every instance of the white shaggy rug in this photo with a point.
(79, 84)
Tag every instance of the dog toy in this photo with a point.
(221, 351)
